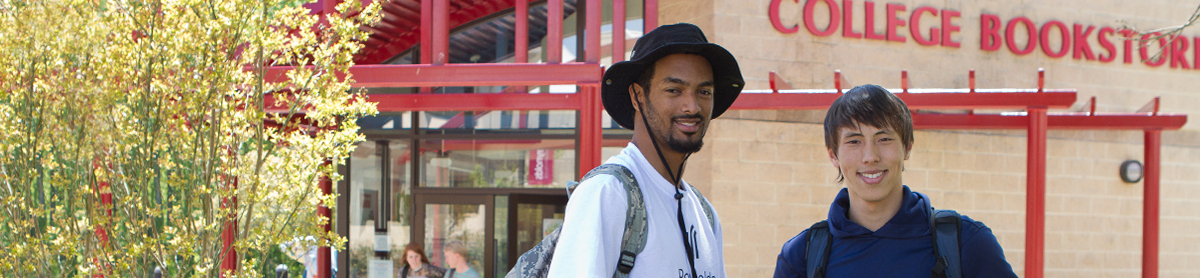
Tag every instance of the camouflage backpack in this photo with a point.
(535, 263)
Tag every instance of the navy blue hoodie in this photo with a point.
(903, 247)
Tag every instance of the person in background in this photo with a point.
(416, 264)
(457, 261)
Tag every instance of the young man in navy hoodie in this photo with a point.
(879, 227)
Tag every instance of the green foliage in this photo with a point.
(138, 132)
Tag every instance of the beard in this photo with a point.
(665, 129)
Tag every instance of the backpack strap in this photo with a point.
(945, 225)
(819, 243)
(634, 239)
(708, 210)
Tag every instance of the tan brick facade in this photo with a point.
(769, 177)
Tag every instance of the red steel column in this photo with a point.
(426, 51)
(229, 261)
(589, 128)
(426, 54)
(554, 31)
(649, 15)
(521, 38)
(591, 32)
(1035, 193)
(323, 253)
(441, 32)
(618, 31)
(1150, 199)
(104, 191)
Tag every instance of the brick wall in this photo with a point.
(769, 180)
(769, 176)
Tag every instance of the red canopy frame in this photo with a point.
(1036, 120)
(434, 31)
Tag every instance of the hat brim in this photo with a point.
(727, 79)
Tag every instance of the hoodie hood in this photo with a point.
(911, 221)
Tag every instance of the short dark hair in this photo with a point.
(870, 105)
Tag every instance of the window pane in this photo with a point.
(366, 206)
(497, 163)
(498, 120)
(399, 225)
(385, 121)
(365, 178)
(462, 223)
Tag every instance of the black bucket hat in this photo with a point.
(662, 41)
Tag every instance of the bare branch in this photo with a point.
(1145, 37)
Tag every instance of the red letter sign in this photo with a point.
(1029, 28)
(989, 32)
(948, 28)
(833, 18)
(773, 13)
(893, 22)
(914, 25)
(1062, 31)
(1107, 45)
(1082, 48)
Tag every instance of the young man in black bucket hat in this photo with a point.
(673, 85)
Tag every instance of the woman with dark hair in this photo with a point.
(416, 264)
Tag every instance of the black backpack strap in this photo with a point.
(945, 225)
(820, 242)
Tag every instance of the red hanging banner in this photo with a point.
(541, 167)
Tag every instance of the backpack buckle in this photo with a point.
(626, 263)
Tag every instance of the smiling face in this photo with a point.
(871, 159)
(678, 102)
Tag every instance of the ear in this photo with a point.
(635, 94)
(907, 152)
(833, 158)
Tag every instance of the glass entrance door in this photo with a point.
(467, 219)
(530, 218)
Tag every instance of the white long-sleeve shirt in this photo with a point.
(590, 240)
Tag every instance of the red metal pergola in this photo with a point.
(434, 32)
(1035, 119)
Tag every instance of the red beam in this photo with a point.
(463, 74)
(1035, 193)
(916, 99)
(1128, 121)
(475, 102)
(1150, 203)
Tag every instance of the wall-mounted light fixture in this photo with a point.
(1131, 171)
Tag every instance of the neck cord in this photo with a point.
(687, 246)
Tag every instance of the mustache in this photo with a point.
(687, 116)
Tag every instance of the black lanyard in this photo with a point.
(687, 246)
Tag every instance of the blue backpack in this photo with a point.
(945, 225)
(535, 263)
